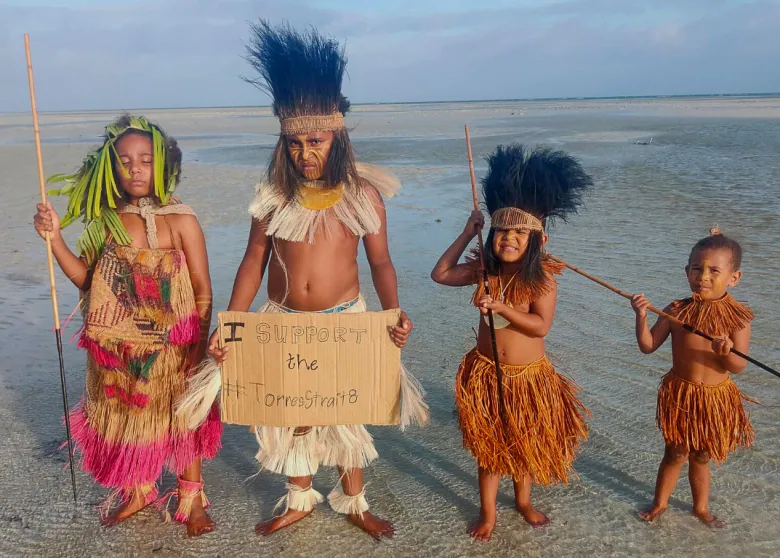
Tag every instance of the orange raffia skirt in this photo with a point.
(699, 417)
(546, 419)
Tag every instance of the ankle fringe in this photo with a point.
(299, 499)
(348, 505)
(186, 492)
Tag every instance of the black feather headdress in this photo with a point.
(544, 185)
(547, 184)
(301, 71)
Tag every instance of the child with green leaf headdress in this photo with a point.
(143, 269)
(94, 190)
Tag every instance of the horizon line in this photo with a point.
(386, 103)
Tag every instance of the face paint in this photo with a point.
(309, 153)
(134, 167)
(710, 273)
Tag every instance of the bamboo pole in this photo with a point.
(50, 259)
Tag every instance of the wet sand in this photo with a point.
(711, 161)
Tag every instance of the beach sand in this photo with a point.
(712, 160)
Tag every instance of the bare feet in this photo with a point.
(533, 517)
(709, 520)
(653, 513)
(133, 505)
(199, 522)
(271, 526)
(373, 525)
(482, 529)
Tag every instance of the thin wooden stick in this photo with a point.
(663, 314)
(491, 322)
(50, 258)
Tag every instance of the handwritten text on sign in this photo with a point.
(310, 369)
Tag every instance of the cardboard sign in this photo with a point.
(310, 369)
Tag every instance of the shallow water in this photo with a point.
(650, 204)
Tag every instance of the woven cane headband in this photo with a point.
(315, 123)
(512, 218)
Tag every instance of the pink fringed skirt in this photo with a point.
(139, 327)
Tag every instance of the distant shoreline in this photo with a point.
(462, 101)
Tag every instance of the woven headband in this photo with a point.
(513, 218)
(315, 123)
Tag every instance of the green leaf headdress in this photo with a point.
(93, 189)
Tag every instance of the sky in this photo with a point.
(124, 54)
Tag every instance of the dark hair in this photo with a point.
(545, 183)
(719, 241)
(340, 167)
(531, 269)
(173, 152)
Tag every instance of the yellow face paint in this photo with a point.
(710, 273)
(309, 153)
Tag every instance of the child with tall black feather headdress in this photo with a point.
(523, 192)
(144, 272)
(309, 217)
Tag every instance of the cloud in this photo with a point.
(167, 53)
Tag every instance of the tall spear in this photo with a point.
(663, 314)
(50, 258)
(499, 373)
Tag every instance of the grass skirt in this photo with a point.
(703, 418)
(546, 420)
(298, 452)
(139, 326)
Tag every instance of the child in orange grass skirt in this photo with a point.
(700, 409)
(545, 420)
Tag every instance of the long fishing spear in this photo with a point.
(664, 315)
(49, 256)
(499, 373)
